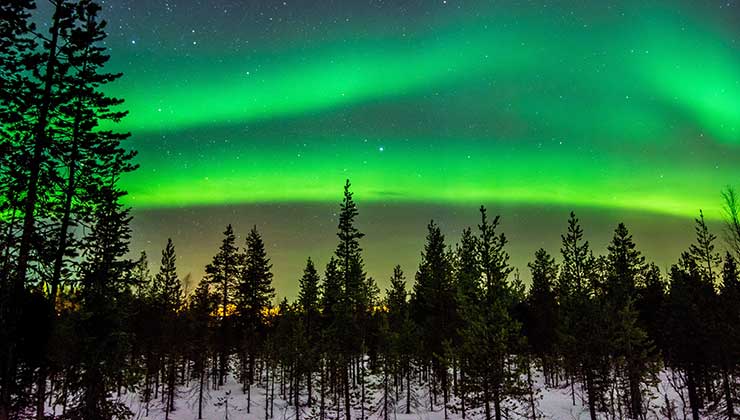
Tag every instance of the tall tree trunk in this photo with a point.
(200, 389)
(29, 221)
(693, 396)
(635, 395)
(728, 391)
(361, 373)
(487, 398)
(408, 389)
(462, 392)
(497, 400)
(347, 406)
(267, 390)
(297, 393)
(591, 395)
(323, 391)
(532, 404)
(385, 391)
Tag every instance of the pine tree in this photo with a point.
(348, 252)
(100, 327)
(167, 294)
(223, 274)
(87, 152)
(468, 295)
(468, 270)
(688, 346)
(355, 286)
(727, 334)
(542, 326)
(308, 300)
(397, 300)
(167, 286)
(202, 305)
(631, 344)
(691, 308)
(255, 289)
(254, 295)
(433, 305)
(731, 208)
(583, 337)
(707, 260)
(28, 73)
(626, 266)
(493, 327)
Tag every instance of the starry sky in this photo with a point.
(255, 112)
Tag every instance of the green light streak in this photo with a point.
(638, 110)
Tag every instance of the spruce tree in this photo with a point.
(542, 326)
(355, 286)
(468, 270)
(727, 335)
(223, 274)
(397, 300)
(583, 337)
(493, 328)
(100, 326)
(168, 298)
(254, 295)
(731, 208)
(308, 299)
(631, 346)
(167, 286)
(691, 308)
(703, 253)
(202, 305)
(433, 305)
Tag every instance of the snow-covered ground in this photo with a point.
(230, 402)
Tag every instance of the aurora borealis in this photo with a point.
(624, 110)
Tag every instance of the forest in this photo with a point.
(83, 322)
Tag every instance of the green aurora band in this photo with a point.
(630, 107)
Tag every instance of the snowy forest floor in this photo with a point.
(230, 402)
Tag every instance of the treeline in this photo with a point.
(81, 323)
(468, 339)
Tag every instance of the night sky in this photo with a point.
(255, 112)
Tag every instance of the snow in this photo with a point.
(230, 402)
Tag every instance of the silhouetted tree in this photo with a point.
(223, 274)
(542, 326)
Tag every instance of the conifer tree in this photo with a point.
(397, 300)
(223, 274)
(703, 253)
(728, 333)
(254, 294)
(28, 73)
(167, 286)
(308, 299)
(168, 297)
(493, 328)
(650, 304)
(468, 294)
(433, 305)
(542, 327)
(106, 280)
(689, 345)
(202, 305)
(468, 270)
(355, 287)
(731, 208)
(687, 329)
(631, 346)
(582, 341)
